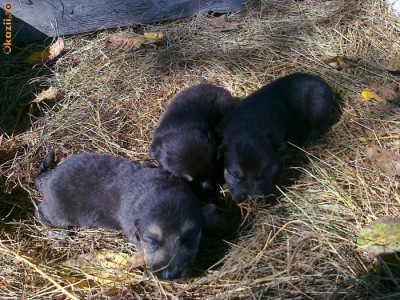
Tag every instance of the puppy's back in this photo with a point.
(207, 101)
(289, 106)
(85, 190)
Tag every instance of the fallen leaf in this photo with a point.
(221, 24)
(389, 91)
(105, 259)
(368, 95)
(380, 237)
(49, 94)
(360, 128)
(104, 267)
(393, 65)
(42, 57)
(153, 35)
(56, 48)
(136, 260)
(127, 42)
(387, 161)
(340, 62)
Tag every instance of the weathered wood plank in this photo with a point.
(35, 18)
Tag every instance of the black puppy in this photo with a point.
(156, 211)
(184, 142)
(295, 108)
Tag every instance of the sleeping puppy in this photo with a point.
(184, 142)
(295, 108)
(156, 211)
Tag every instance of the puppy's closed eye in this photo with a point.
(233, 175)
(152, 244)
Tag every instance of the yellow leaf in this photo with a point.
(104, 267)
(112, 260)
(367, 95)
(380, 237)
(40, 57)
(153, 35)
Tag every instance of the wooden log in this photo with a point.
(36, 19)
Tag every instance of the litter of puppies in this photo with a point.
(155, 208)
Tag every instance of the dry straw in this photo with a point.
(303, 246)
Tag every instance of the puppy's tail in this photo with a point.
(41, 218)
(47, 164)
(202, 79)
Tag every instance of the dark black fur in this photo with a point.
(295, 108)
(184, 143)
(156, 211)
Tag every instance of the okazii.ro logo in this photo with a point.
(7, 26)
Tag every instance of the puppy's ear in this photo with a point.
(220, 151)
(208, 209)
(210, 136)
(154, 149)
(220, 128)
(134, 234)
(276, 162)
(279, 145)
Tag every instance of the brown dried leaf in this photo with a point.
(387, 161)
(50, 93)
(389, 91)
(393, 65)
(125, 42)
(360, 128)
(340, 62)
(135, 261)
(221, 24)
(56, 48)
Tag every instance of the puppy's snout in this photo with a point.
(240, 197)
(171, 274)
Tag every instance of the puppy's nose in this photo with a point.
(240, 197)
(171, 274)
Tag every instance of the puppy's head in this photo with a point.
(169, 235)
(249, 167)
(189, 153)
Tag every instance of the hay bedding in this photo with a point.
(303, 247)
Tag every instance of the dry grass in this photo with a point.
(301, 248)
